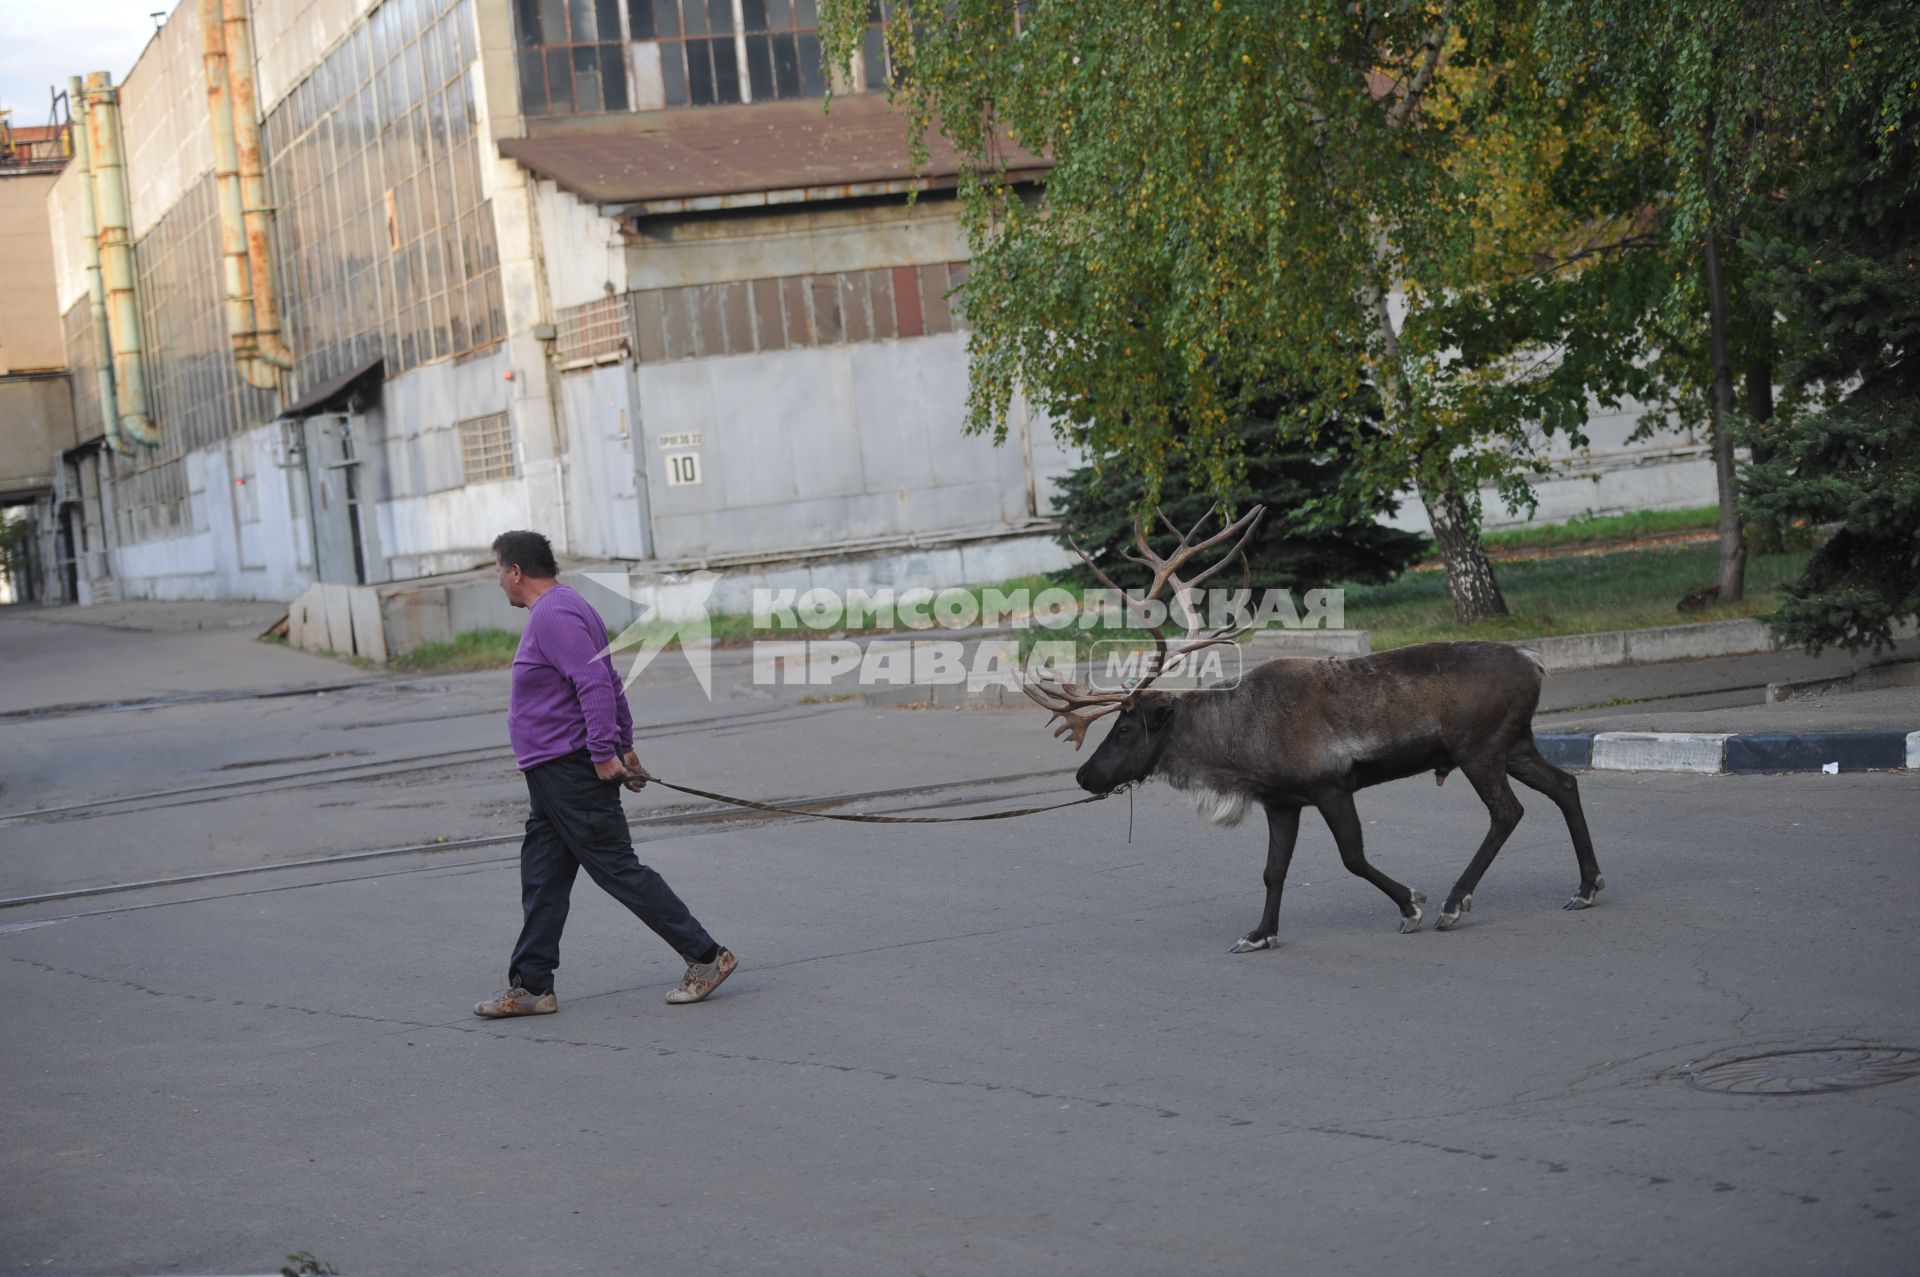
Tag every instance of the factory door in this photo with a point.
(333, 492)
(606, 495)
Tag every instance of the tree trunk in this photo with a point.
(1476, 594)
(1733, 546)
(1770, 535)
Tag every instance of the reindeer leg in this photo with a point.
(1283, 827)
(1344, 822)
(1504, 808)
(1528, 766)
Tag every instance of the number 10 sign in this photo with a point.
(683, 469)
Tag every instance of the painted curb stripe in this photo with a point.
(1572, 750)
(1659, 751)
(1708, 753)
(1782, 752)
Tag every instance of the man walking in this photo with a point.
(573, 740)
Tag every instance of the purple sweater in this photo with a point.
(566, 696)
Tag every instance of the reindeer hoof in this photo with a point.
(1410, 922)
(1584, 898)
(1450, 915)
(1251, 944)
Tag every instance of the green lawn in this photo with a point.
(1607, 527)
(1573, 594)
(1629, 589)
(473, 650)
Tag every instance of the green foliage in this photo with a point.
(1316, 530)
(16, 535)
(1711, 111)
(484, 649)
(1569, 594)
(1841, 263)
(1235, 190)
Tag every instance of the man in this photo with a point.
(573, 740)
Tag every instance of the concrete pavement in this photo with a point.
(989, 1048)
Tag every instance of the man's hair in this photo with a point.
(527, 551)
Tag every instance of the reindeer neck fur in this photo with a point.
(1200, 761)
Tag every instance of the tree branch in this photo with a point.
(1416, 88)
(1627, 245)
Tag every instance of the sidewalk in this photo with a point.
(1683, 710)
(129, 654)
(181, 617)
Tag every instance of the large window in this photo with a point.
(572, 58)
(876, 61)
(386, 233)
(585, 57)
(783, 49)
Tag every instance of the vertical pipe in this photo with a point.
(258, 214)
(96, 291)
(116, 258)
(236, 273)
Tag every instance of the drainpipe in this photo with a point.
(258, 214)
(116, 258)
(96, 291)
(236, 272)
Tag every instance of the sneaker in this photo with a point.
(703, 978)
(517, 1001)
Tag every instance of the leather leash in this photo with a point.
(871, 820)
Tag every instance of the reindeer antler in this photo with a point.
(1166, 571)
(1077, 707)
(1074, 706)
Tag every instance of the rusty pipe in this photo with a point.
(116, 258)
(96, 291)
(256, 212)
(236, 272)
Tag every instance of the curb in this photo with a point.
(1610, 648)
(1898, 672)
(1732, 753)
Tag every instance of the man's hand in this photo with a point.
(611, 769)
(637, 775)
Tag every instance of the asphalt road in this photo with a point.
(1013, 1047)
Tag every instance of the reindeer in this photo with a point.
(1292, 734)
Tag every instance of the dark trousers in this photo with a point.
(574, 819)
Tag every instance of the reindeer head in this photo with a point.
(1132, 749)
(1141, 719)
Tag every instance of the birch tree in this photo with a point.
(1248, 199)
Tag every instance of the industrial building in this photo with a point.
(344, 288)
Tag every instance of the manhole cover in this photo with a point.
(1808, 1072)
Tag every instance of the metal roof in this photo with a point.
(334, 391)
(742, 156)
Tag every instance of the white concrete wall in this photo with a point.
(1673, 470)
(824, 446)
(450, 531)
(428, 518)
(240, 547)
(816, 241)
(585, 252)
(1048, 457)
(65, 225)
